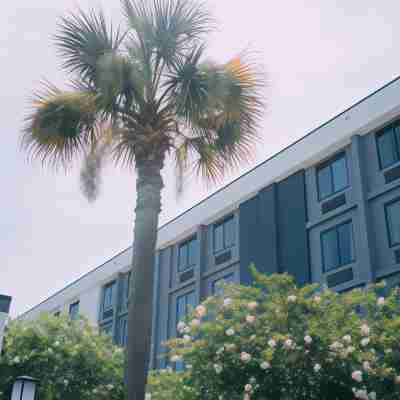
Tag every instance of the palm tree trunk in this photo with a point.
(149, 185)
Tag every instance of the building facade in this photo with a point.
(326, 209)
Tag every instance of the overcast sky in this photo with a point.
(320, 57)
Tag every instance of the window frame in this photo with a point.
(222, 222)
(386, 205)
(121, 339)
(382, 132)
(113, 284)
(186, 294)
(180, 366)
(74, 304)
(328, 163)
(187, 265)
(335, 228)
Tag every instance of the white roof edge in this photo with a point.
(95, 277)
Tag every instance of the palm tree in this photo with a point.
(137, 96)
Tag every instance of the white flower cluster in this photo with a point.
(362, 394)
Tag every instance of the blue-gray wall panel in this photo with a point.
(249, 238)
(268, 262)
(292, 232)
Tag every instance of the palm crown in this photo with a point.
(146, 92)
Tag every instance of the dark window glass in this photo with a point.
(107, 329)
(218, 285)
(229, 232)
(330, 250)
(184, 305)
(339, 174)
(345, 240)
(187, 254)
(180, 308)
(337, 246)
(108, 296)
(123, 331)
(219, 237)
(183, 255)
(393, 221)
(124, 290)
(192, 252)
(224, 234)
(324, 182)
(333, 177)
(387, 148)
(74, 310)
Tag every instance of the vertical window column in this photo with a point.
(123, 304)
(393, 222)
(107, 309)
(184, 305)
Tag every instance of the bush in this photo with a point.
(71, 360)
(277, 341)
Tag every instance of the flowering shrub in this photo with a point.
(277, 341)
(71, 360)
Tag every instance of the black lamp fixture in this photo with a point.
(24, 388)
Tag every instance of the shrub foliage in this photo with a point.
(70, 358)
(277, 341)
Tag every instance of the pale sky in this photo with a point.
(320, 57)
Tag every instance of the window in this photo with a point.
(122, 331)
(184, 305)
(108, 296)
(393, 222)
(337, 246)
(224, 234)
(74, 310)
(332, 177)
(107, 329)
(124, 292)
(187, 255)
(388, 143)
(218, 285)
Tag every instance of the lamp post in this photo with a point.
(24, 388)
(5, 302)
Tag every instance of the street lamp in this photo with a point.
(24, 388)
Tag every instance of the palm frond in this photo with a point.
(82, 40)
(196, 155)
(187, 86)
(90, 175)
(168, 28)
(120, 82)
(179, 25)
(60, 125)
(224, 124)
